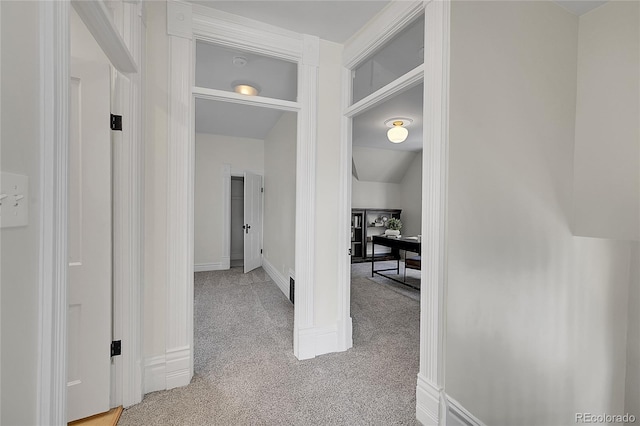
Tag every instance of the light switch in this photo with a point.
(14, 200)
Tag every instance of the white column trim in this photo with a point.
(431, 381)
(306, 198)
(128, 199)
(51, 405)
(345, 322)
(179, 295)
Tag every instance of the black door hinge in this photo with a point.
(261, 189)
(116, 347)
(260, 251)
(116, 122)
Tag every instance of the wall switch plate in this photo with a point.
(14, 200)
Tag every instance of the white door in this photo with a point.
(89, 288)
(252, 221)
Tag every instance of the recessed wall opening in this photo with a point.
(237, 221)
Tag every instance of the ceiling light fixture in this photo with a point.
(245, 88)
(397, 132)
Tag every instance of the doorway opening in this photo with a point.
(237, 221)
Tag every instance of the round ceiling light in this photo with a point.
(398, 132)
(245, 88)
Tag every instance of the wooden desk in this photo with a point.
(396, 244)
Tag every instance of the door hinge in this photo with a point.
(349, 252)
(260, 251)
(116, 348)
(261, 189)
(116, 122)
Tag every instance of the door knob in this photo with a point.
(246, 227)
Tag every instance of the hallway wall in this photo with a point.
(212, 152)
(607, 148)
(20, 255)
(544, 313)
(279, 228)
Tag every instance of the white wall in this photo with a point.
(377, 195)
(212, 152)
(280, 196)
(411, 198)
(536, 318)
(607, 143)
(20, 246)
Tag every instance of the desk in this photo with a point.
(396, 245)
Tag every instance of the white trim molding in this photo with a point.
(179, 301)
(51, 402)
(430, 396)
(97, 18)
(460, 415)
(216, 266)
(186, 23)
(306, 198)
(383, 27)
(155, 376)
(128, 210)
(394, 18)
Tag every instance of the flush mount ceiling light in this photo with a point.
(245, 88)
(398, 132)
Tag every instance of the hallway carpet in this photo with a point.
(246, 374)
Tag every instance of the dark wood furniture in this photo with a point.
(365, 223)
(396, 244)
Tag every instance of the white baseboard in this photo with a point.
(427, 402)
(318, 341)
(155, 378)
(167, 371)
(276, 276)
(203, 267)
(457, 415)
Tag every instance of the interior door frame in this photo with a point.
(54, 42)
(431, 399)
(227, 175)
(187, 22)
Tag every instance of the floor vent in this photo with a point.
(292, 289)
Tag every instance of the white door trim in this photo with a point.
(430, 396)
(430, 392)
(186, 22)
(54, 44)
(54, 129)
(128, 207)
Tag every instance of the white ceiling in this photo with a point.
(231, 119)
(330, 20)
(380, 165)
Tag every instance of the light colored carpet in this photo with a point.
(246, 372)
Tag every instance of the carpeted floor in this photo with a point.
(246, 372)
